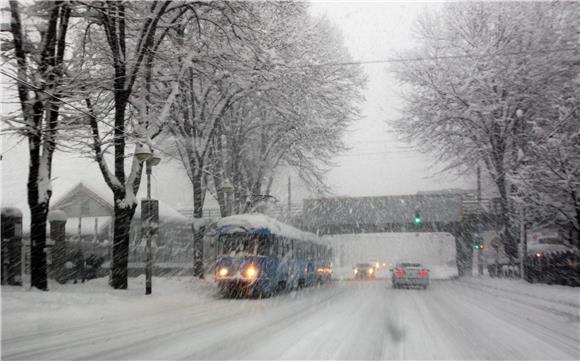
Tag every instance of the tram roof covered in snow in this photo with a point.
(261, 224)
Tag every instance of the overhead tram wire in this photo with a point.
(427, 58)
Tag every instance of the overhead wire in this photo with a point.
(440, 57)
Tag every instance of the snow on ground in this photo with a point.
(470, 318)
(25, 308)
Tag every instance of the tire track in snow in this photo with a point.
(172, 338)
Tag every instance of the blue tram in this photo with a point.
(259, 256)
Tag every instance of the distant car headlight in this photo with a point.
(371, 271)
(251, 272)
(355, 271)
(223, 272)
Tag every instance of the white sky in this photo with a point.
(376, 165)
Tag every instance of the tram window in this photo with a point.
(262, 246)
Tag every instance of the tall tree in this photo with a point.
(133, 32)
(297, 120)
(489, 69)
(40, 78)
(217, 55)
(549, 177)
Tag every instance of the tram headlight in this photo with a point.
(223, 272)
(251, 272)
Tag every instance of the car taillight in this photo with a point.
(423, 273)
(399, 272)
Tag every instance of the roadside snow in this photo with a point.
(562, 295)
(24, 308)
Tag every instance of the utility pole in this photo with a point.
(478, 186)
(289, 198)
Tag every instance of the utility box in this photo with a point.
(11, 246)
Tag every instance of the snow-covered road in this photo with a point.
(458, 319)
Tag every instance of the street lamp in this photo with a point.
(228, 191)
(149, 208)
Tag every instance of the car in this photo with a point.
(410, 274)
(364, 271)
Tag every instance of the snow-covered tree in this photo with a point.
(37, 54)
(254, 96)
(489, 70)
(297, 120)
(119, 46)
(549, 177)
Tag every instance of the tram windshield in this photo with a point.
(241, 244)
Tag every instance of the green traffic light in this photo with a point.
(417, 218)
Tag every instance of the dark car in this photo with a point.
(364, 271)
(410, 274)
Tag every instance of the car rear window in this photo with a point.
(410, 265)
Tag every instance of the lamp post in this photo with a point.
(228, 190)
(149, 209)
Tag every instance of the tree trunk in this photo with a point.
(198, 232)
(507, 236)
(38, 270)
(577, 227)
(122, 227)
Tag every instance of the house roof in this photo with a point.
(81, 201)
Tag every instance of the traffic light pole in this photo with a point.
(523, 242)
(149, 260)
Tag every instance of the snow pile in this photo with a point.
(436, 251)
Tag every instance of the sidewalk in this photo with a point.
(557, 294)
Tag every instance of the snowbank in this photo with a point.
(554, 294)
(94, 300)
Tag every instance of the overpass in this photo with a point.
(457, 214)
